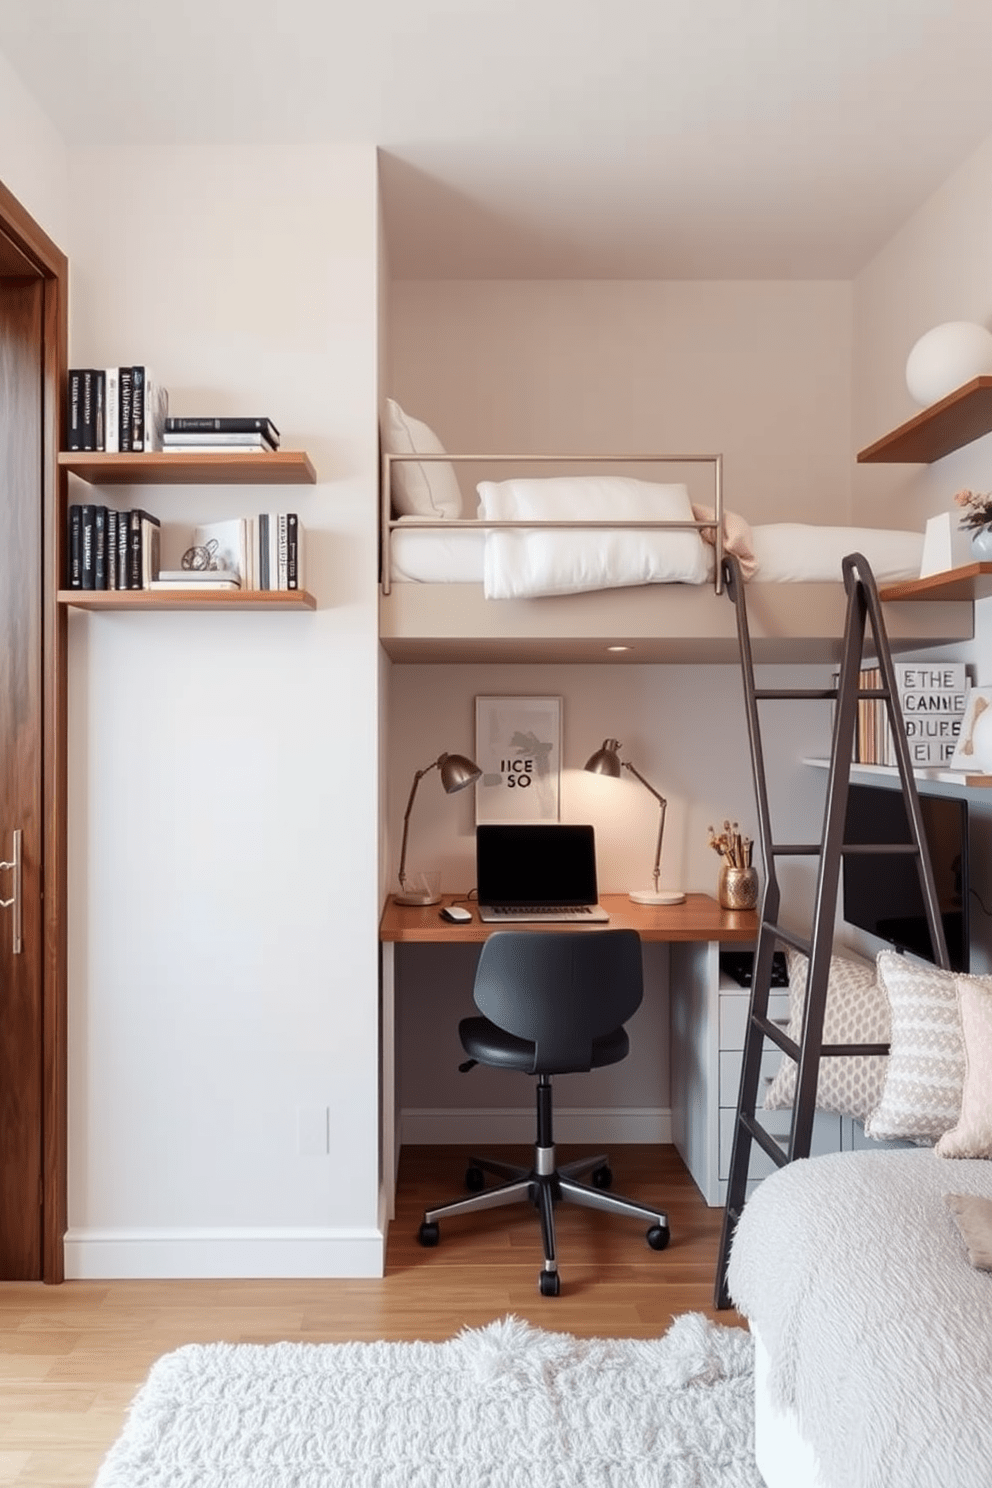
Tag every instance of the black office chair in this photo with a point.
(554, 1003)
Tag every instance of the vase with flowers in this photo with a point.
(976, 518)
(737, 887)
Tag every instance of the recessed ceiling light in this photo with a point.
(618, 648)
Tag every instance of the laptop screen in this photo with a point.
(535, 864)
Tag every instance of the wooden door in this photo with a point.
(21, 724)
(32, 753)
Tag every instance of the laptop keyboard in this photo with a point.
(535, 911)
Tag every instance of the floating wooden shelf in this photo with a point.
(973, 581)
(964, 415)
(187, 599)
(280, 468)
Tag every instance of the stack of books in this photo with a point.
(933, 697)
(227, 436)
(110, 549)
(263, 552)
(115, 409)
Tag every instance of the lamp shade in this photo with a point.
(457, 772)
(946, 358)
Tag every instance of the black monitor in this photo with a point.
(882, 894)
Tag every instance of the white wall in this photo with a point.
(758, 371)
(223, 792)
(33, 157)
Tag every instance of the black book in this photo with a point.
(88, 550)
(123, 549)
(111, 547)
(234, 425)
(99, 547)
(74, 548)
(74, 410)
(124, 408)
(88, 423)
(143, 550)
(137, 408)
(292, 551)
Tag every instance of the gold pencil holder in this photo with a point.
(738, 888)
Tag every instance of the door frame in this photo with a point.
(41, 258)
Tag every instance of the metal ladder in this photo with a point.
(863, 608)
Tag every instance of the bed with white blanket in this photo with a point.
(873, 1327)
(536, 564)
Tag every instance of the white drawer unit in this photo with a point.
(708, 1022)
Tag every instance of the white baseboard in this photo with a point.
(596, 1128)
(138, 1254)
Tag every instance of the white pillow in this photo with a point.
(528, 563)
(428, 490)
(856, 1012)
(921, 1098)
(797, 552)
(972, 1136)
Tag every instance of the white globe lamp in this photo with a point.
(946, 358)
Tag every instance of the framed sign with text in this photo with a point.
(518, 750)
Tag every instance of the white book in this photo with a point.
(156, 411)
(217, 449)
(111, 410)
(191, 577)
(196, 588)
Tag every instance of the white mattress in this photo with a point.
(787, 552)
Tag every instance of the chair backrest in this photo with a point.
(560, 989)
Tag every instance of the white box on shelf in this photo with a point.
(945, 545)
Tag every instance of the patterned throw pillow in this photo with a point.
(856, 1013)
(921, 1099)
(972, 1137)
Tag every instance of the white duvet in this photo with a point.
(878, 1328)
(530, 564)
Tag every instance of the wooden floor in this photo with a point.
(72, 1356)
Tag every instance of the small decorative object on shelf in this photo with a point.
(977, 519)
(737, 886)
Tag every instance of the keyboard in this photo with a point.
(550, 914)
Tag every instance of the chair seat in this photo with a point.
(490, 1044)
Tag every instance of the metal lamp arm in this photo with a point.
(418, 777)
(661, 825)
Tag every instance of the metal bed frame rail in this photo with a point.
(389, 523)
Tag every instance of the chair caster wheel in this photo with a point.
(475, 1179)
(658, 1236)
(549, 1284)
(428, 1234)
(602, 1177)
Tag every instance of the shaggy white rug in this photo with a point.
(505, 1406)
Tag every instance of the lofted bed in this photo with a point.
(640, 580)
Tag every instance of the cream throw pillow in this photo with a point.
(921, 1098)
(430, 489)
(972, 1137)
(856, 1013)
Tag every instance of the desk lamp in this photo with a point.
(456, 773)
(607, 761)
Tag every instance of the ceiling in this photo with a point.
(556, 138)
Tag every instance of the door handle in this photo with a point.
(14, 902)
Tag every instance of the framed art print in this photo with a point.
(518, 750)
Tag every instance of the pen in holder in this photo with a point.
(737, 885)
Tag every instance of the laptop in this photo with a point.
(537, 873)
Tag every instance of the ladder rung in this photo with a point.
(777, 1033)
(835, 1051)
(906, 849)
(797, 942)
(765, 694)
(764, 1139)
(796, 849)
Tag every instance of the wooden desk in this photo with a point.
(700, 918)
(694, 930)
